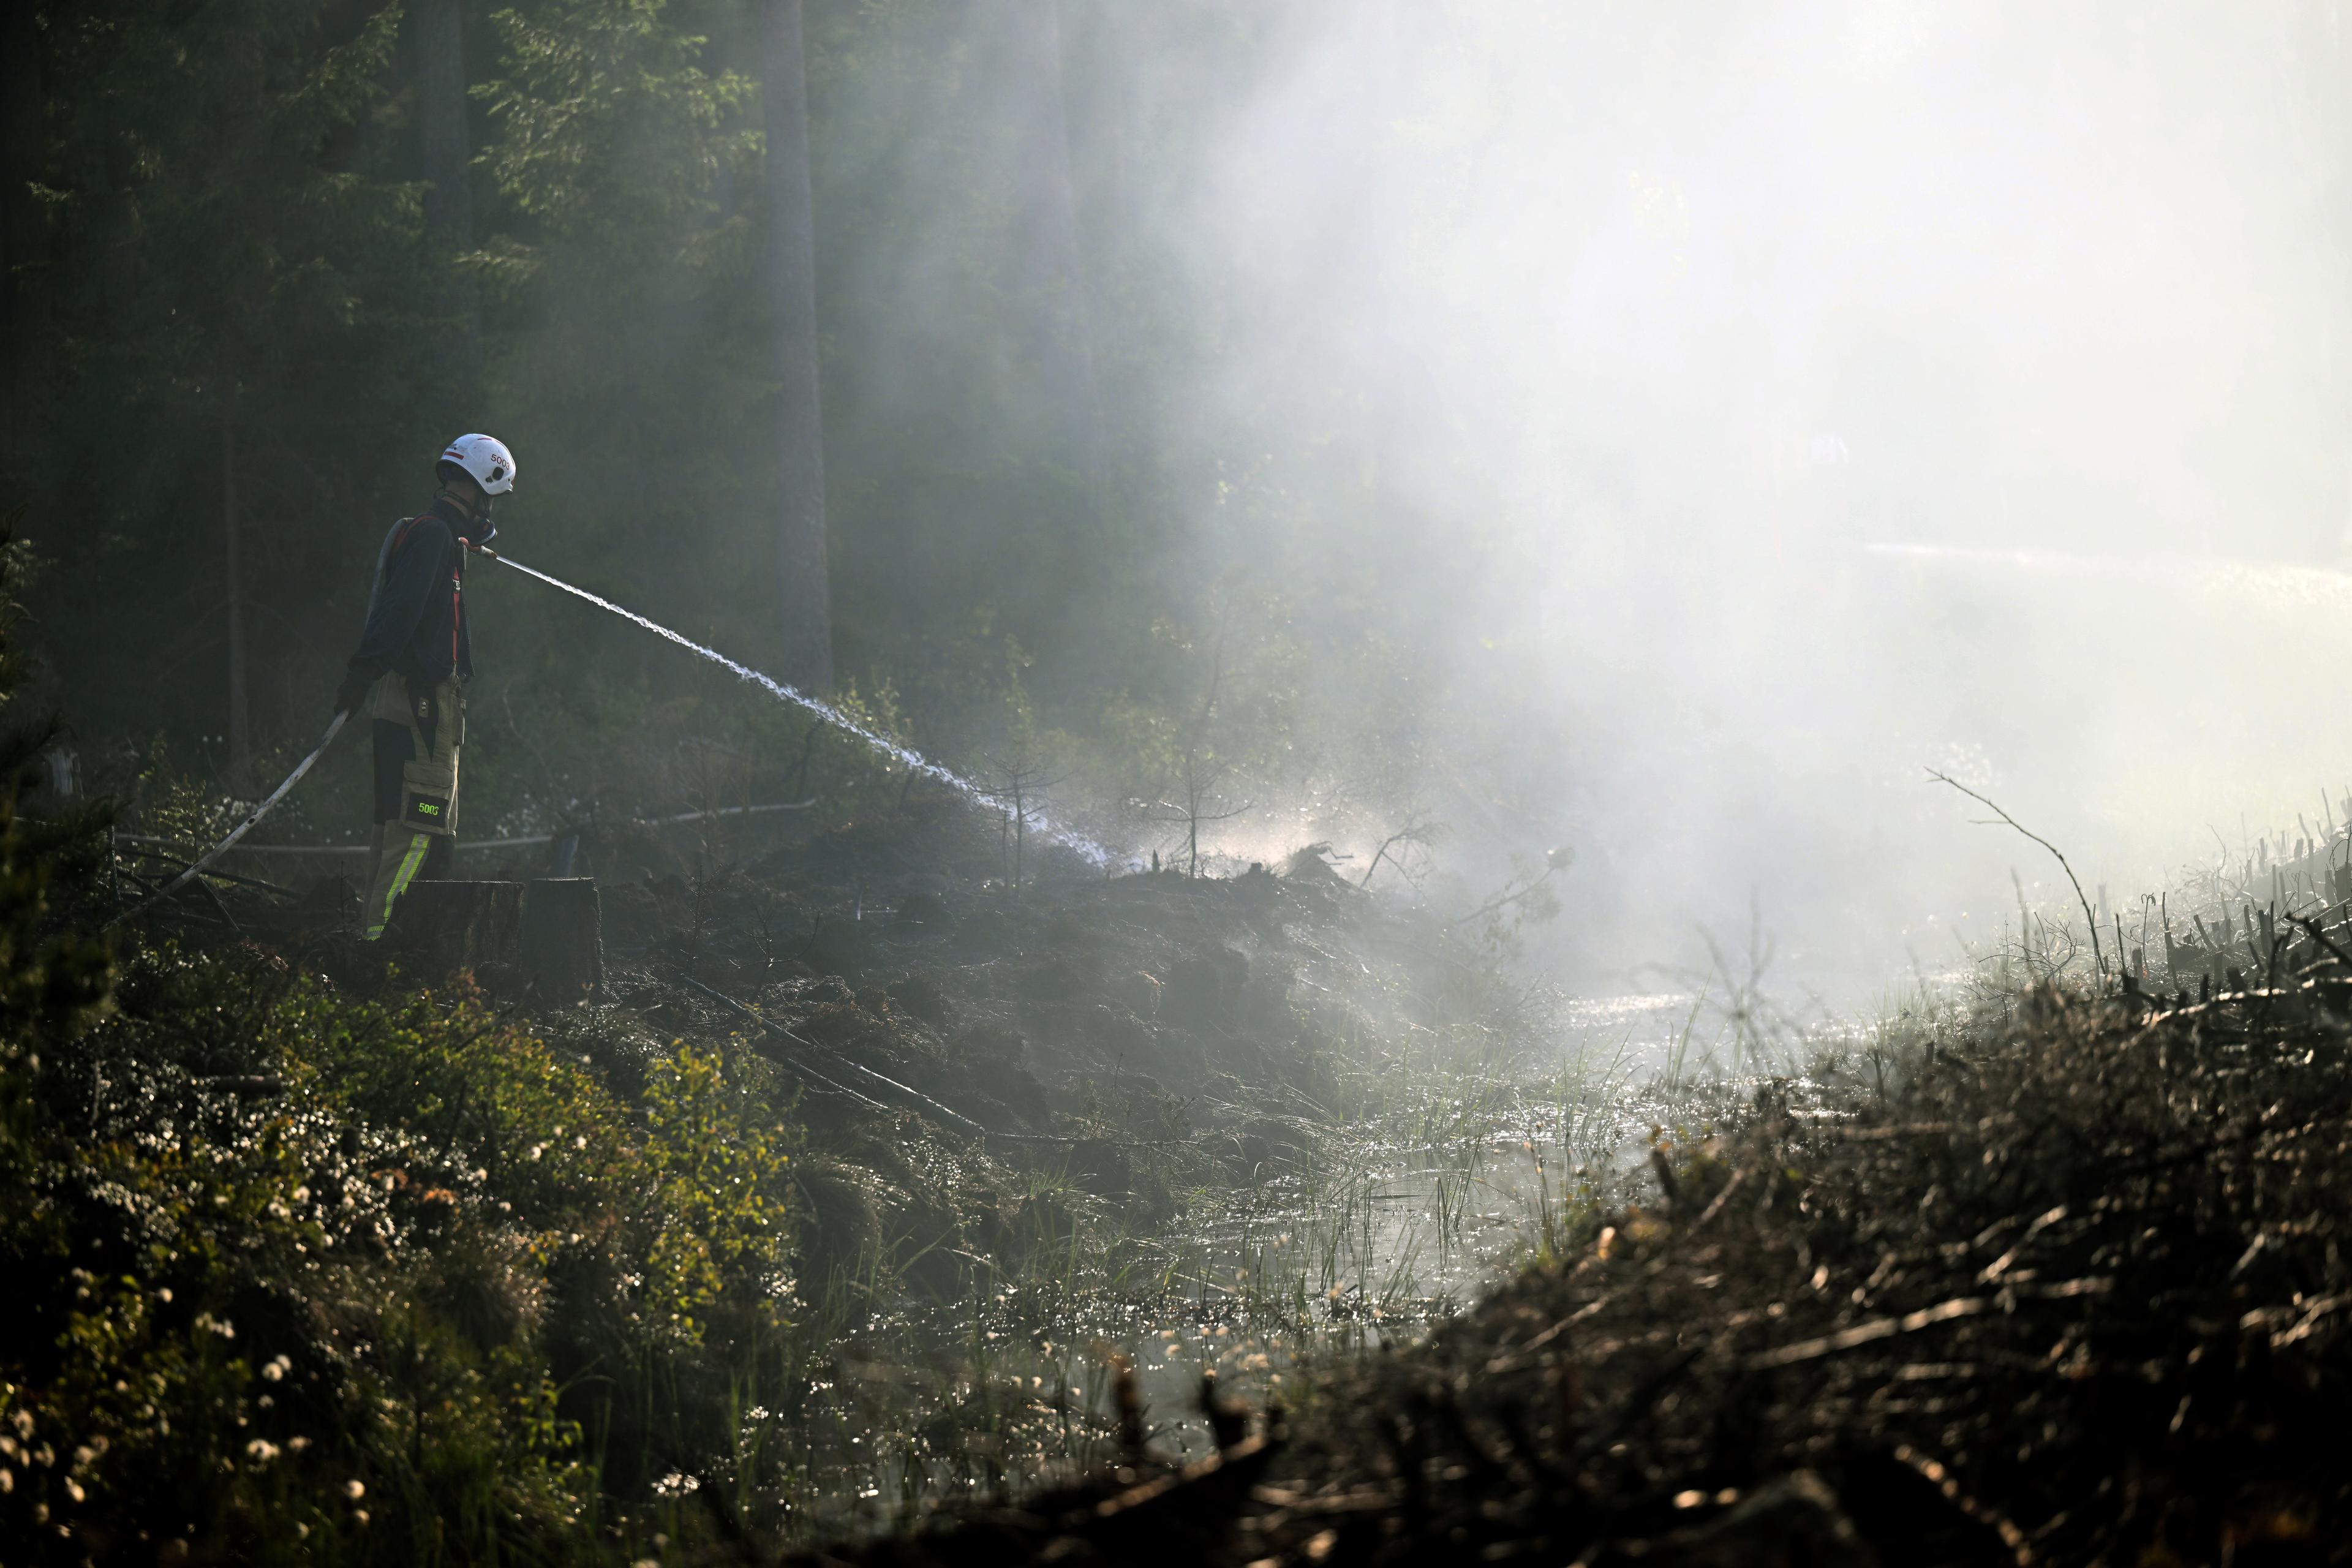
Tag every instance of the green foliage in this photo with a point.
(51, 981)
(721, 1171)
(294, 1274)
(291, 1273)
(612, 128)
(257, 1319)
(546, 1136)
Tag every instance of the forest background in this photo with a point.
(243, 314)
(1506, 424)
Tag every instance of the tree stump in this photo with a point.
(440, 929)
(543, 937)
(563, 953)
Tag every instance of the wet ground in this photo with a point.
(1253, 1124)
(1245, 1125)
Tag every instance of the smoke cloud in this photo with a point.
(1738, 410)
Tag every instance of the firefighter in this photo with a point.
(409, 675)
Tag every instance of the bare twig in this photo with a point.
(1519, 888)
(1201, 780)
(2089, 918)
(1417, 829)
(2312, 930)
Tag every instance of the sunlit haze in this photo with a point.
(1750, 407)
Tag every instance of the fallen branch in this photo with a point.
(1866, 1333)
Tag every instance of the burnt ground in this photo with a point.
(2069, 1285)
(1135, 1034)
(2073, 1291)
(1119, 1038)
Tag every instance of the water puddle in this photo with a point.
(1384, 1228)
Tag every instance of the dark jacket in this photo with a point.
(417, 614)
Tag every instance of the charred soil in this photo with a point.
(2076, 1291)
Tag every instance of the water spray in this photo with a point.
(906, 756)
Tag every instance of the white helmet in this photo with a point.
(486, 457)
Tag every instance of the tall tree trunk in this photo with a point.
(23, 226)
(240, 753)
(805, 626)
(438, 45)
(1052, 277)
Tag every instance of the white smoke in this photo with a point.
(1652, 321)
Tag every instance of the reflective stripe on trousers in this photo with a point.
(402, 861)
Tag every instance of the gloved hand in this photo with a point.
(353, 691)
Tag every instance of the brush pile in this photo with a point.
(2076, 1291)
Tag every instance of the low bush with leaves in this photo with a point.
(298, 1276)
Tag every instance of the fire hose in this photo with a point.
(225, 846)
(914, 761)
